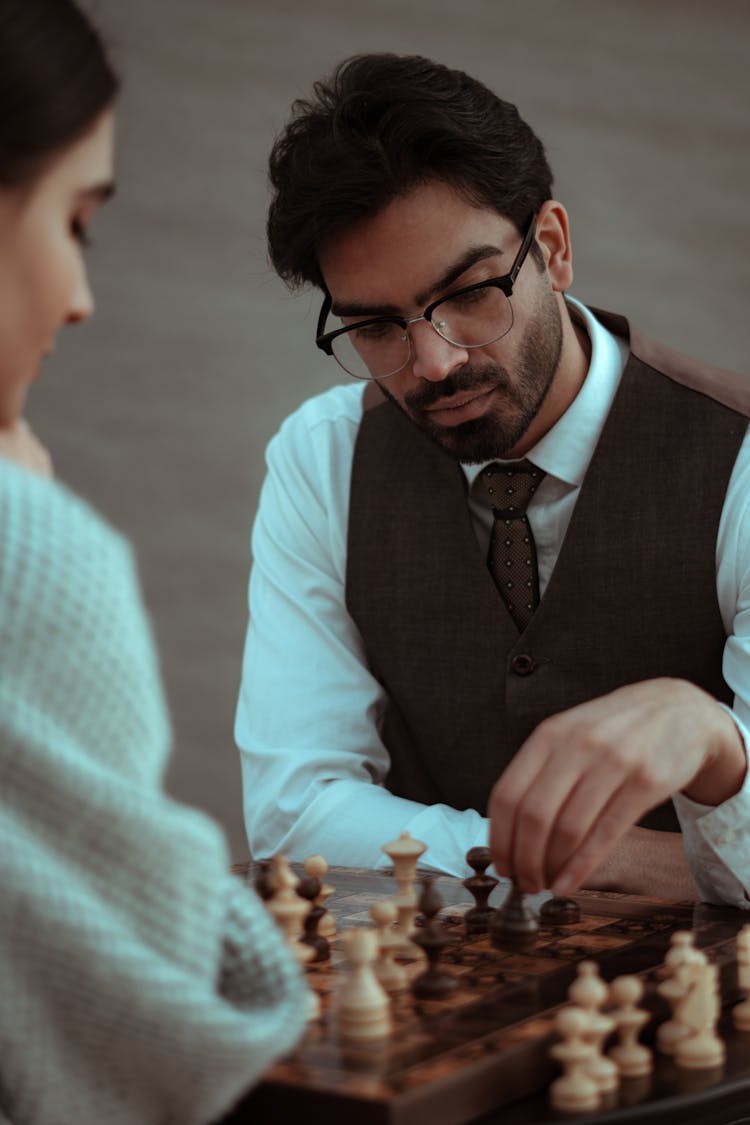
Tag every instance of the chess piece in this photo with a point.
(741, 1011)
(633, 1059)
(308, 888)
(288, 910)
(434, 983)
(480, 886)
(699, 1010)
(574, 1092)
(513, 925)
(682, 951)
(263, 881)
(589, 992)
(364, 1008)
(560, 912)
(317, 866)
(681, 956)
(391, 975)
(404, 853)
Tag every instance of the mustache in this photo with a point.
(467, 378)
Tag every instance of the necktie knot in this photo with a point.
(507, 489)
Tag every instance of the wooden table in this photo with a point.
(458, 1062)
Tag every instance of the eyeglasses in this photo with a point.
(471, 317)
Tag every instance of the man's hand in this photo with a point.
(585, 776)
(20, 444)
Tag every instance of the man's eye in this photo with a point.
(374, 331)
(80, 233)
(473, 297)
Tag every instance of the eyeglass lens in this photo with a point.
(471, 320)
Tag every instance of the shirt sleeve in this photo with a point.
(717, 840)
(717, 843)
(313, 764)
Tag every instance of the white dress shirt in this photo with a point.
(313, 764)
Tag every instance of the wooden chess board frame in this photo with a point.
(487, 1047)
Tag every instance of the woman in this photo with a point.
(139, 981)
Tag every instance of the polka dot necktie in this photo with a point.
(507, 490)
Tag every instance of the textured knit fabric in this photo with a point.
(141, 982)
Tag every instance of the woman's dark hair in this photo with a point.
(55, 80)
(379, 127)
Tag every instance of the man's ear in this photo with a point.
(553, 236)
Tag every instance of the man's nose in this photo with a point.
(434, 358)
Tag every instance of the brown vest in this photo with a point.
(632, 595)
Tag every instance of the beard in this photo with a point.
(517, 400)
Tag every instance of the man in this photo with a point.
(401, 671)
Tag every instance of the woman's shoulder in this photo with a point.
(60, 560)
(76, 651)
(39, 514)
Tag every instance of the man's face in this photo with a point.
(477, 403)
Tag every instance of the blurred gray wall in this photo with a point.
(159, 410)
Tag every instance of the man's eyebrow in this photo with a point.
(363, 312)
(97, 193)
(468, 259)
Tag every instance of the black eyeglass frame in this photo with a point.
(324, 340)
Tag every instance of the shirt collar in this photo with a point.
(565, 450)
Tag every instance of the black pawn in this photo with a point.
(481, 886)
(560, 912)
(434, 983)
(514, 925)
(263, 881)
(309, 888)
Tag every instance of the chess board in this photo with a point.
(486, 1046)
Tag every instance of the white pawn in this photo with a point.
(588, 991)
(699, 1010)
(317, 866)
(633, 1060)
(287, 908)
(575, 1091)
(681, 957)
(364, 1008)
(741, 1011)
(391, 975)
(288, 911)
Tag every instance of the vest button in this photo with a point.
(523, 664)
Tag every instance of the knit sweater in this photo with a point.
(139, 981)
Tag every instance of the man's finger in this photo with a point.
(625, 807)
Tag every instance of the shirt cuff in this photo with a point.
(717, 841)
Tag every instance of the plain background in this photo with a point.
(159, 410)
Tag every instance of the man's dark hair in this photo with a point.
(380, 126)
